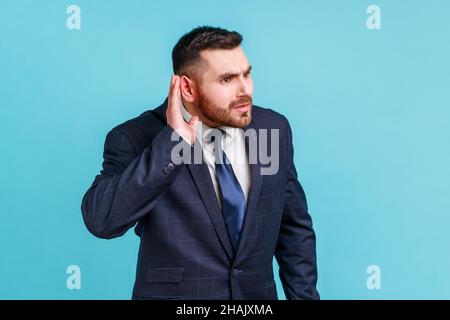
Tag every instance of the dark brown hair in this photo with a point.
(186, 52)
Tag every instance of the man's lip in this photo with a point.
(242, 105)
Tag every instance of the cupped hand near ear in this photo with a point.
(174, 116)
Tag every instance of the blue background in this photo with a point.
(369, 110)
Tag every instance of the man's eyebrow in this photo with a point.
(231, 75)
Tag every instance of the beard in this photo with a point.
(226, 116)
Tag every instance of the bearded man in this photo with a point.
(208, 229)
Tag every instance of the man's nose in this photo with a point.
(245, 86)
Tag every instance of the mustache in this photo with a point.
(241, 101)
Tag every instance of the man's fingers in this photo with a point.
(174, 115)
(174, 102)
(172, 87)
(177, 91)
(171, 84)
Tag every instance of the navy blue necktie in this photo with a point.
(233, 199)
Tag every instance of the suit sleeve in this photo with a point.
(129, 185)
(296, 246)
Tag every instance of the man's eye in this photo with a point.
(246, 74)
(227, 79)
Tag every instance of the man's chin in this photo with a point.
(241, 121)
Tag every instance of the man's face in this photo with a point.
(226, 89)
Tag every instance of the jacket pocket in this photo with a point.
(164, 275)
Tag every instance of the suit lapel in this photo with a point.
(202, 179)
(255, 170)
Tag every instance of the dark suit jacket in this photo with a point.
(185, 252)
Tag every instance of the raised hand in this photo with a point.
(174, 116)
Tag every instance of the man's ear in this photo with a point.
(188, 89)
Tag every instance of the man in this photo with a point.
(208, 230)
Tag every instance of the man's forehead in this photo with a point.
(225, 60)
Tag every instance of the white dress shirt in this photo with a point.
(233, 144)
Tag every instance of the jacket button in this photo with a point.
(168, 168)
(236, 272)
